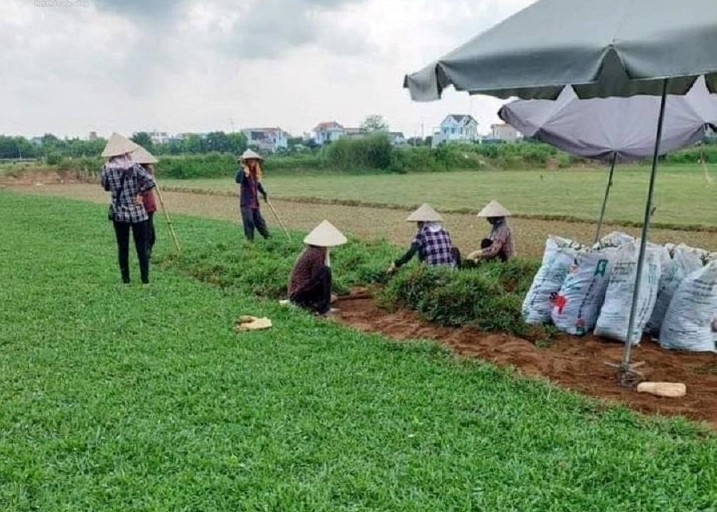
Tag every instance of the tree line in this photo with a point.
(52, 148)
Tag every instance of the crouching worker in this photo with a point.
(310, 280)
(499, 244)
(432, 242)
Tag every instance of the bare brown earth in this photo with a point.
(574, 363)
(369, 222)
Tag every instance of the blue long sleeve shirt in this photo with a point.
(249, 189)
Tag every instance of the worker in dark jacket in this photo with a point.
(432, 242)
(310, 279)
(248, 177)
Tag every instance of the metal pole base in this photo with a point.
(627, 374)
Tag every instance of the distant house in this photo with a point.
(397, 138)
(354, 132)
(327, 132)
(159, 137)
(504, 132)
(456, 127)
(269, 140)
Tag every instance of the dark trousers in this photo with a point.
(139, 233)
(251, 218)
(316, 295)
(151, 236)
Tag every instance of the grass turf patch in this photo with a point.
(215, 252)
(142, 398)
(489, 297)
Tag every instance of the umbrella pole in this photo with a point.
(625, 373)
(166, 216)
(607, 194)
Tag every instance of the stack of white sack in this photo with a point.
(614, 316)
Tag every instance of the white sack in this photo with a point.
(685, 260)
(690, 316)
(615, 313)
(577, 306)
(548, 280)
(614, 239)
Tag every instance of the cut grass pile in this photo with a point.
(142, 398)
(489, 297)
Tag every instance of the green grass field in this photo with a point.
(683, 194)
(142, 398)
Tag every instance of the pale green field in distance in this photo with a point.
(683, 194)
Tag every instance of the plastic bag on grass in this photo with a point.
(688, 323)
(685, 260)
(548, 280)
(577, 306)
(615, 313)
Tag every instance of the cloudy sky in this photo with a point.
(74, 66)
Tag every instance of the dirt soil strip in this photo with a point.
(370, 223)
(574, 363)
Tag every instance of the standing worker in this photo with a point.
(147, 161)
(499, 243)
(249, 177)
(127, 181)
(432, 242)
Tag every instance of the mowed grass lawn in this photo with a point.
(131, 398)
(683, 194)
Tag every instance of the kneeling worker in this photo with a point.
(310, 280)
(432, 242)
(499, 243)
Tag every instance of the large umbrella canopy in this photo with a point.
(620, 128)
(601, 47)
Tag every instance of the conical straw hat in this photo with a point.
(118, 145)
(325, 235)
(425, 214)
(142, 156)
(249, 154)
(494, 209)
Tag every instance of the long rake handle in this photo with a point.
(278, 219)
(166, 216)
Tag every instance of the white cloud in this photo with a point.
(193, 65)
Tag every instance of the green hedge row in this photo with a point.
(375, 154)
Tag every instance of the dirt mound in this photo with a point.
(40, 177)
(575, 363)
